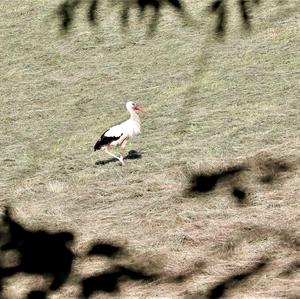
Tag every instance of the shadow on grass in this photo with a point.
(132, 155)
(49, 254)
(40, 252)
(219, 290)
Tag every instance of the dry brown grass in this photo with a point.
(209, 104)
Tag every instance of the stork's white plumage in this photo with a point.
(118, 135)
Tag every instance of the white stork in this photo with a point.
(118, 135)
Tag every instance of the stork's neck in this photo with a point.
(134, 116)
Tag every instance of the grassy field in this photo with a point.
(209, 104)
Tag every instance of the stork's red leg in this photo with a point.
(122, 146)
(111, 154)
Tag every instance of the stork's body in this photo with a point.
(118, 135)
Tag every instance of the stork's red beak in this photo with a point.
(138, 107)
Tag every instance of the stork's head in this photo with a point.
(134, 106)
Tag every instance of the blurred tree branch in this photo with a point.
(219, 8)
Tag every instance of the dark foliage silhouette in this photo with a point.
(291, 269)
(92, 17)
(220, 9)
(37, 295)
(196, 268)
(105, 249)
(272, 169)
(220, 289)
(48, 254)
(202, 182)
(40, 252)
(66, 12)
(239, 194)
(109, 281)
(264, 168)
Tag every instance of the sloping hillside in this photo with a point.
(210, 105)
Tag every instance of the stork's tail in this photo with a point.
(105, 140)
(98, 145)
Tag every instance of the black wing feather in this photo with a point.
(104, 140)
